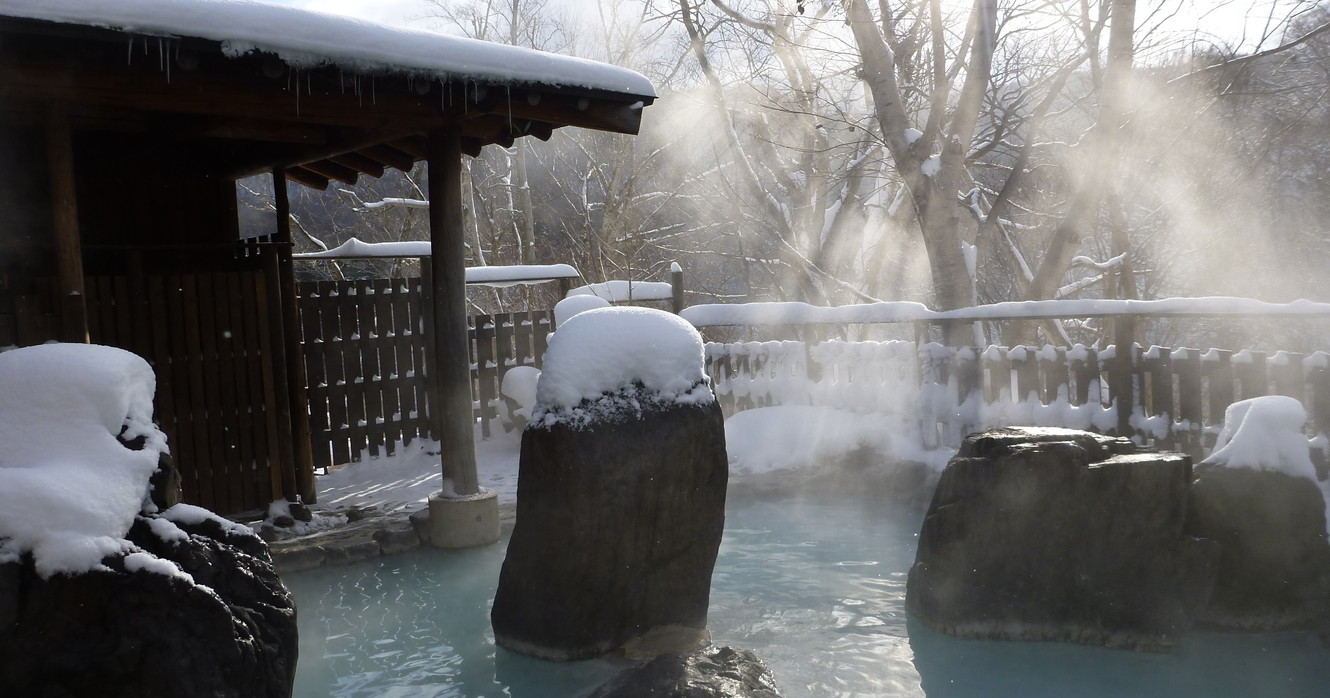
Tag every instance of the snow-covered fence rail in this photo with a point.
(1177, 396)
(365, 344)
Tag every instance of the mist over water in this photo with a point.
(815, 586)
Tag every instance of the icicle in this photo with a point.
(129, 57)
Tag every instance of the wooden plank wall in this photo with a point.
(365, 355)
(208, 343)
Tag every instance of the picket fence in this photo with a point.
(1177, 396)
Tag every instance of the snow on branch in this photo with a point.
(1107, 265)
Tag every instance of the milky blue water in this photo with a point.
(815, 587)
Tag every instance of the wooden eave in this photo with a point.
(182, 100)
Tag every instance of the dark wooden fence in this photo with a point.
(365, 349)
(1177, 397)
(208, 337)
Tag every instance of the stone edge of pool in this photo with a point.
(374, 534)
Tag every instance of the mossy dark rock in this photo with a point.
(714, 672)
(115, 632)
(1274, 562)
(1046, 534)
(618, 525)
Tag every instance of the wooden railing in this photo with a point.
(1177, 397)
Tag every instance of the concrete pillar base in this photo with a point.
(464, 522)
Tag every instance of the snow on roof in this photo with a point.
(902, 311)
(305, 39)
(620, 291)
(605, 351)
(69, 490)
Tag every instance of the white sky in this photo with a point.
(1231, 20)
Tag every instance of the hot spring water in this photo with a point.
(815, 587)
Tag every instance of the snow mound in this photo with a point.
(621, 290)
(565, 309)
(789, 437)
(1265, 433)
(608, 360)
(69, 490)
(519, 385)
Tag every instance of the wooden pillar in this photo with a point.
(450, 361)
(296, 381)
(676, 288)
(1124, 371)
(277, 395)
(64, 218)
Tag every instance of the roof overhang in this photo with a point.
(180, 93)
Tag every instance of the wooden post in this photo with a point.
(283, 450)
(65, 221)
(676, 288)
(451, 359)
(296, 380)
(1123, 371)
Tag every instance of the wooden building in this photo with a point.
(123, 129)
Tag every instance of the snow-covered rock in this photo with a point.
(611, 363)
(1265, 433)
(565, 309)
(69, 488)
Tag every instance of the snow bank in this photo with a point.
(620, 291)
(565, 309)
(305, 39)
(69, 490)
(606, 360)
(1265, 433)
(789, 437)
(519, 385)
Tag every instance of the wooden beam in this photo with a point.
(261, 158)
(296, 380)
(389, 156)
(332, 170)
(472, 146)
(451, 361)
(415, 146)
(65, 222)
(359, 163)
(300, 175)
(268, 131)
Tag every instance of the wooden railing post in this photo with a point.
(676, 288)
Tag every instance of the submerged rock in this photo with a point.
(618, 526)
(714, 672)
(1274, 561)
(137, 627)
(1053, 534)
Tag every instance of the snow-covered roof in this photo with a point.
(305, 39)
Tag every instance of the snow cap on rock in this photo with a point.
(1265, 433)
(69, 490)
(607, 351)
(565, 309)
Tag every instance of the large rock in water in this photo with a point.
(714, 672)
(140, 633)
(1054, 534)
(618, 525)
(1274, 562)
